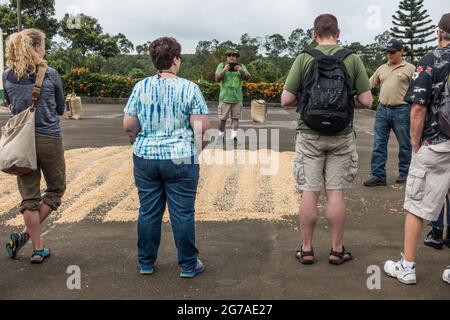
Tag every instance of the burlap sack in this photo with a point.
(74, 106)
(259, 111)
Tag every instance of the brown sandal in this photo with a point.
(300, 255)
(343, 256)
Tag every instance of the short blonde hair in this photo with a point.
(21, 53)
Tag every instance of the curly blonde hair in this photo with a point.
(21, 52)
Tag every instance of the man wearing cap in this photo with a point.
(230, 75)
(393, 113)
(429, 175)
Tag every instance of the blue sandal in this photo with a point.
(16, 242)
(38, 257)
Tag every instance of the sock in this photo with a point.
(221, 134)
(233, 134)
(407, 264)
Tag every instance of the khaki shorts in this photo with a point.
(225, 109)
(50, 159)
(428, 181)
(325, 162)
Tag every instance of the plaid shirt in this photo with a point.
(163, 107)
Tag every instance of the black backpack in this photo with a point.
(327, 96)
(444, 110)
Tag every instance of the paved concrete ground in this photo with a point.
(245, 260)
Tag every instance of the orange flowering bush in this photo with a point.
(84, 83)
(271, 92)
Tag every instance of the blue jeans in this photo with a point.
(440, 223)
(397, 119)
(160, 182)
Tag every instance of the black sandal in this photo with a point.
(343, 256)
(300, 255)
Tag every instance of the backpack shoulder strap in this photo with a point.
(42, 70)
(315, 53)
(342, 54)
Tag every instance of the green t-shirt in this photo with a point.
(300, 68)
(231, 85)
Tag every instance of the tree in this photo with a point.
(249, 48)
(88, 39)
(143, 48)
(8, 19)
(125, 45)
(263, 71)
(275, 45)
(413, 25)
(35, 14)
(300, 40)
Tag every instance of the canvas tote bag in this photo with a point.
(259, 111)
(17, 142)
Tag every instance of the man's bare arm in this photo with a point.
(364, 100)
(219, 76)
(418, 115)
(288, 99)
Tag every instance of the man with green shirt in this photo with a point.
(325, 161)
(230, 75)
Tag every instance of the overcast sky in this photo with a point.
(193, 20)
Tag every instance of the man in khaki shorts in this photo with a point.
(230, 75)
(320, 160)
(429, 176)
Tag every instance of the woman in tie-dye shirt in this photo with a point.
(165, 119)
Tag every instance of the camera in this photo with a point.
(233, 65)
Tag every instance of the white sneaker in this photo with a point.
(396, 270)
(446, 275)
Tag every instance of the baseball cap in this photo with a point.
(394, 45)
(444, 24)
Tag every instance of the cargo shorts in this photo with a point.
(227, 109)
(428, 181)
(51, 162)
(329, 162)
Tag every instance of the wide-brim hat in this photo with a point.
(232, 51)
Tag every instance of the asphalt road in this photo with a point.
(247, 259)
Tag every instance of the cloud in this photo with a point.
(193, 20)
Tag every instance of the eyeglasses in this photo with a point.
(232, 55)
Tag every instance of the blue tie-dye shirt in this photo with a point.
(163, 107)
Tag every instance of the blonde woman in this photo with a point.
(25, 54)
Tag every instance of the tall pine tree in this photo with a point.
(412, 25)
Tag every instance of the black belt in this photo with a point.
(394, 107)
